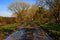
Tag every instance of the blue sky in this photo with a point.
(4, 7)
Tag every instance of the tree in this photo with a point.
(54, 9)
(40, 3)
(31, 12)
(18, 8)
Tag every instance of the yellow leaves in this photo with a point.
(31, 11)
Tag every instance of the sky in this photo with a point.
(4, 7)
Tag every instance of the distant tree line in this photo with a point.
(7, 20)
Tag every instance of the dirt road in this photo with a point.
(34, 33)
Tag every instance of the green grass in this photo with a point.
(54, 29)
(28, 26)
(9, 27)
